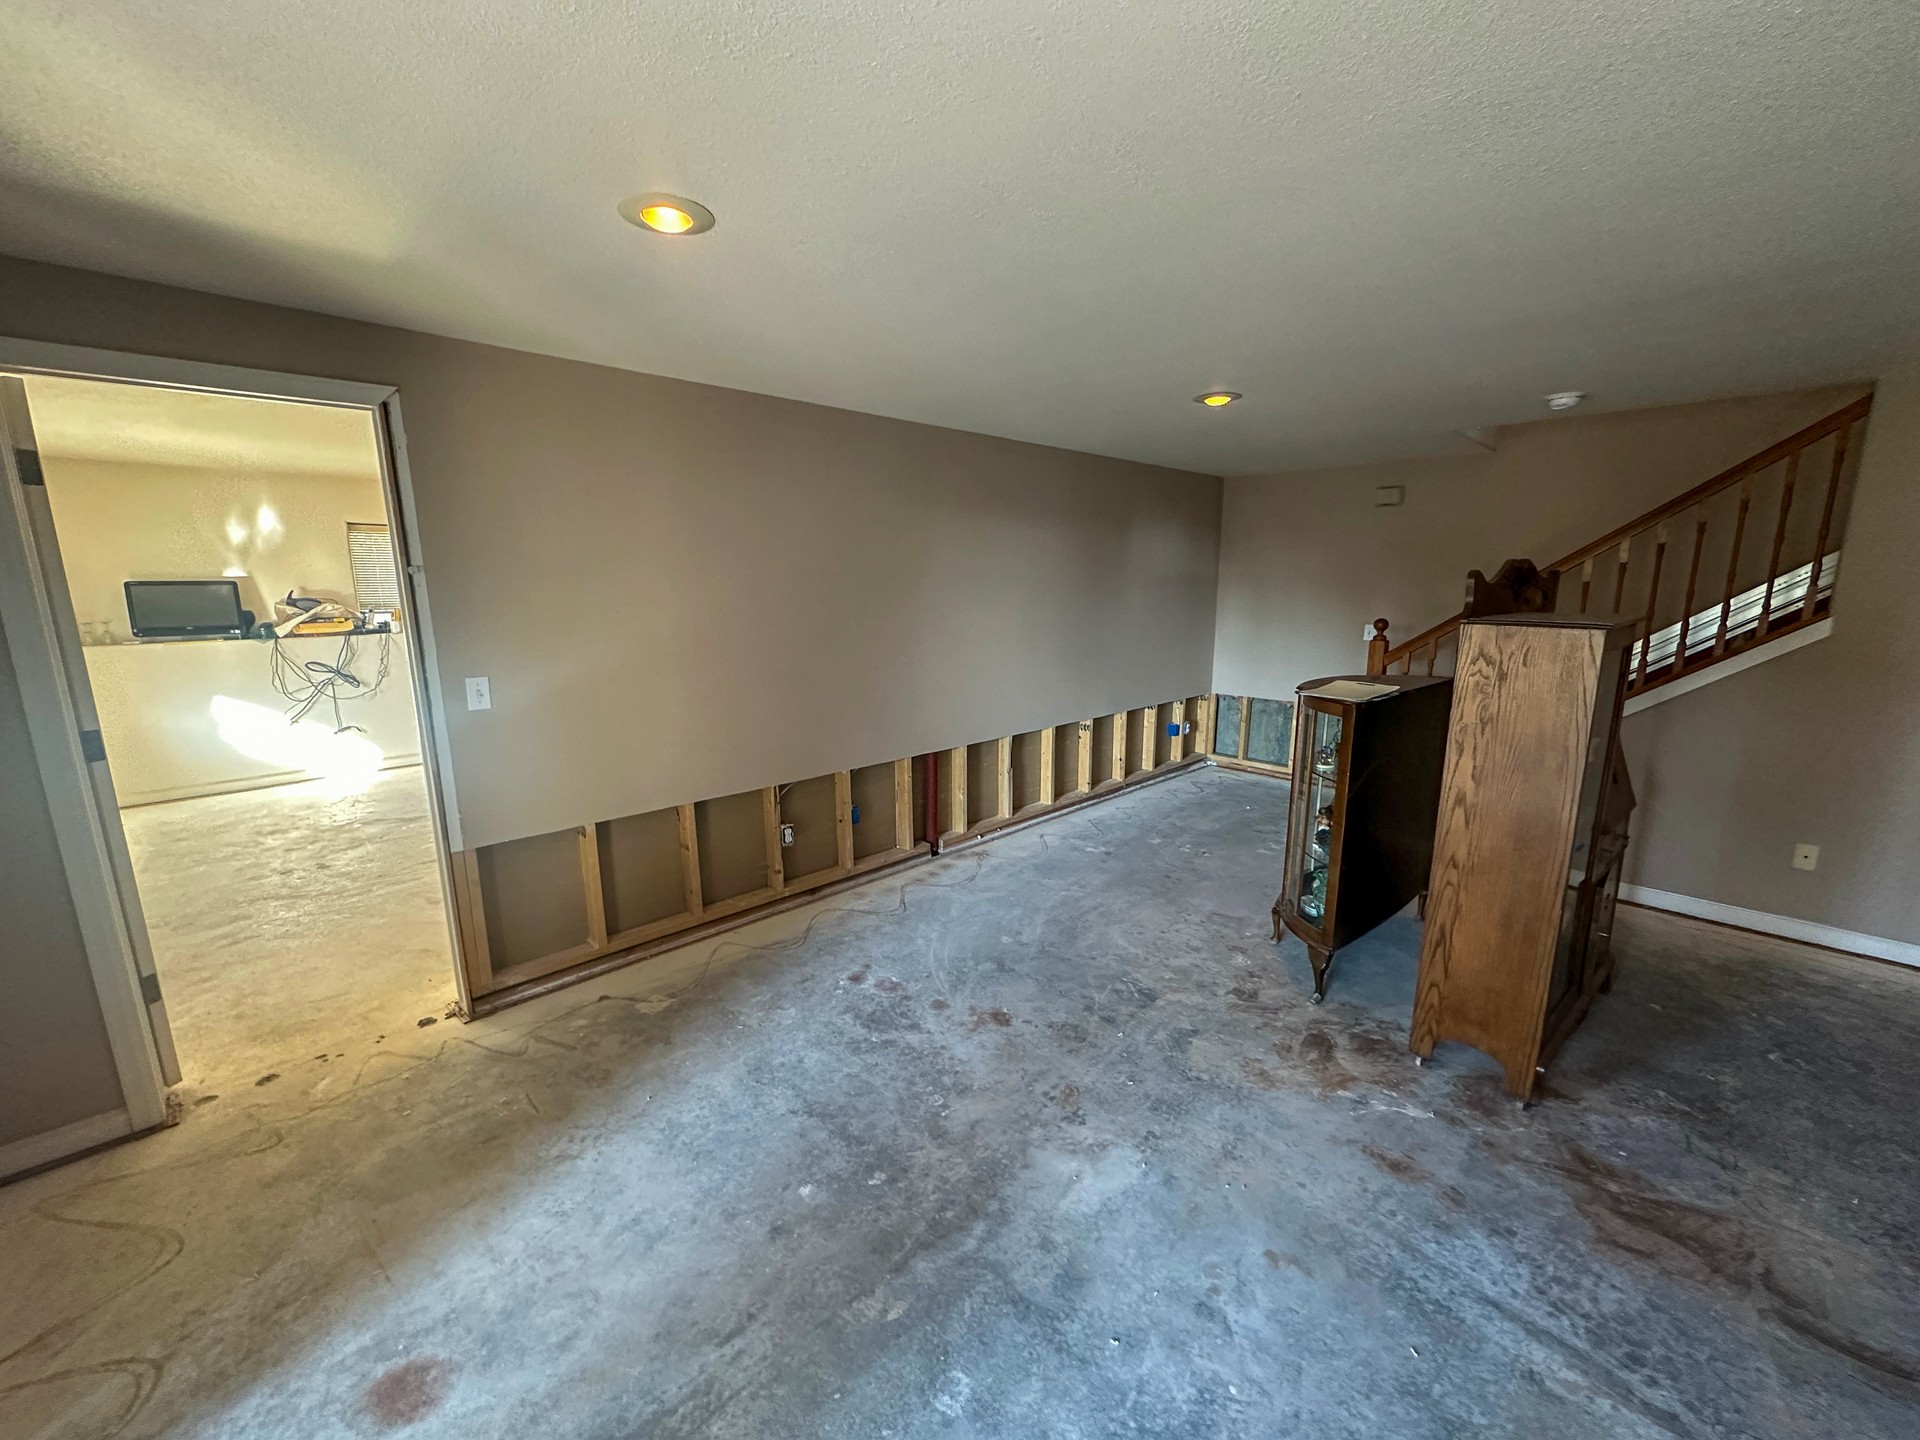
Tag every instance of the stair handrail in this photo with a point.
(1382, 655)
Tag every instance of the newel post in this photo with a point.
(1377, 649)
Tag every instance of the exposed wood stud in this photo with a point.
(1083, 757)
(1202, 727)
(903, 835)
(1119, 746)
(471, 912)
(1003, 776)
(1177, 741)
(957, 791)
(1246, 723)
(843, 818)
(1047, 797)
(776, 861)
(593, 891)
(690, 861)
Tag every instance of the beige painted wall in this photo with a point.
(1819, 746)
(55, 1064)
(120, 522)
(679, 591)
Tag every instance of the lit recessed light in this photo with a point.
(1565, 399)
(667, 214)
(1214, 399)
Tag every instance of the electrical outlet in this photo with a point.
(786, 836)
(479, 693)
(1806, 857)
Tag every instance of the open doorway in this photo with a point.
(240, 616)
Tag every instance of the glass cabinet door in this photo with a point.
(1317, 776)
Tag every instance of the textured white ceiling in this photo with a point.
(90, 420)
(1383, 220)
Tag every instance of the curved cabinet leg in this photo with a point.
(1322, 961)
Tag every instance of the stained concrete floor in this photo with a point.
(288, 915)
(1041, 1139)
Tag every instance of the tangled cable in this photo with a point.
(303, 684)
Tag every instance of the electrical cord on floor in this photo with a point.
(304, 684)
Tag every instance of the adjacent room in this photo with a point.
(984, 722)
(235, 590)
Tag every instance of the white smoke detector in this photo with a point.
(1565, 399)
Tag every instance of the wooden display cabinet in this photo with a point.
(1531, 838)
(1367, 758)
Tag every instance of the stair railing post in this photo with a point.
(1377, 649)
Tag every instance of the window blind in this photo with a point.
(376, 578)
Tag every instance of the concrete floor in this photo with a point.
(1042, 1139)
(288, 919)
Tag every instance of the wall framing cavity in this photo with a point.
(618, 890)
(1248, 732)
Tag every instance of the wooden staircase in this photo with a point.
(1738, 562)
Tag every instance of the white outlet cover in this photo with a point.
(1806, 857)
(479, 693)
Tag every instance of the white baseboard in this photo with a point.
(1785, 926)
(51, 1145)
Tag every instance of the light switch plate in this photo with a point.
(1806, 857)
(479, 693)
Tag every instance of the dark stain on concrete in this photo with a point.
(937, 1005)
(268, 1078)
(1401, 1167)
(409, 1392)
(1715, 1249)
(1069, 1033)
(1245, 994)
(980, 1019)
(1893, 1373)
(890, 986)
(426, 1020)
(1676, 1236)
(1259, 1075)
(1285, 1260)
(859, 977)
(1318, 1052)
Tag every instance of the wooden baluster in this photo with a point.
(1433, 653)
(1733, 568)
(1686, 608)
(1779, 537)
(1826, 523)
(1586, 582)
(1653, 601)
(1620, 576)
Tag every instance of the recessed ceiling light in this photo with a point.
(667, 214)
(1215, 399)
(1565, 399)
